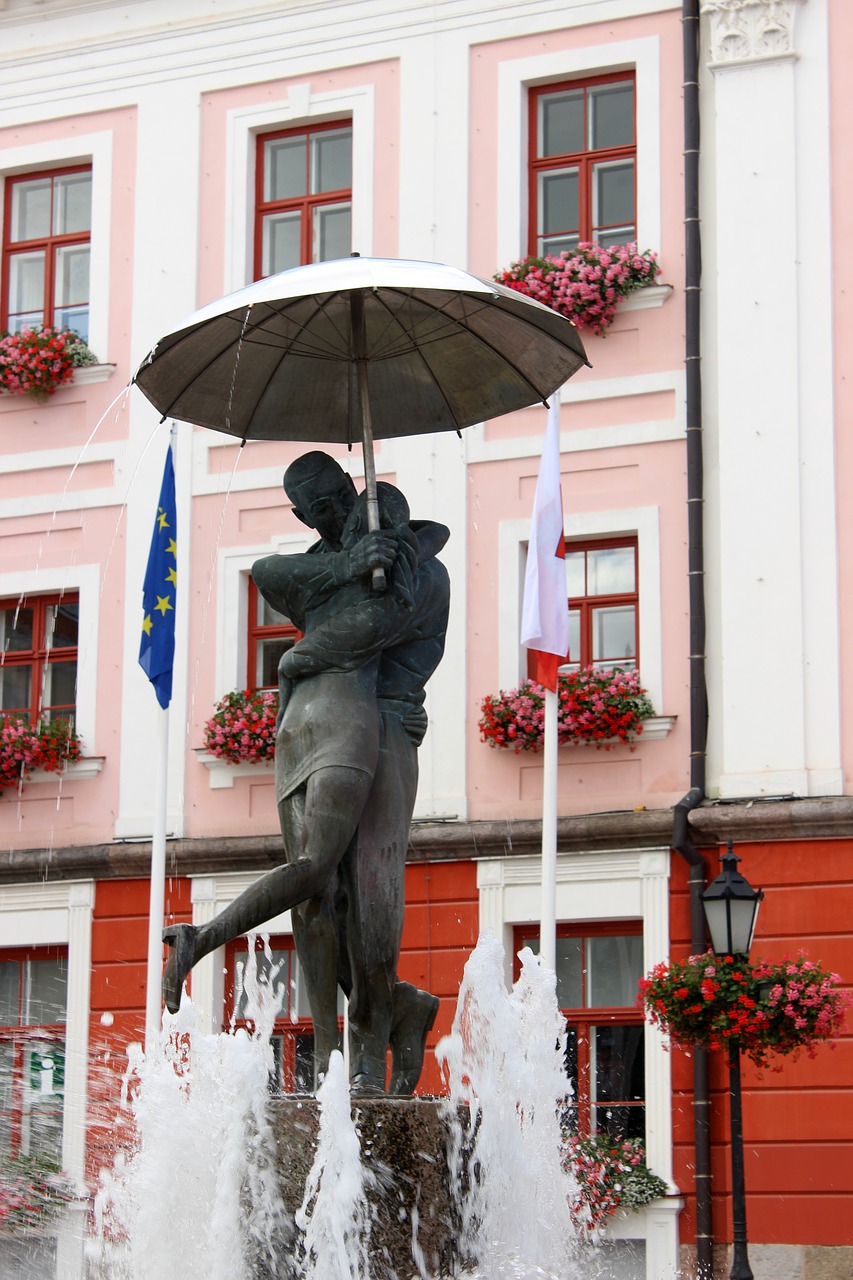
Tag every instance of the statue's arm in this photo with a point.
(352, 637)
(290, 584)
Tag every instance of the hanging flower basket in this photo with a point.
(769, 1009)
(25, 747)
(35, 362)
(584, 286)
(611, 1174)
(593, 706)
(242, 727)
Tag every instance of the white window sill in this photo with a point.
(93, 373)
(652, 295)
(635, 1224)
(223, 774)
(88, 767)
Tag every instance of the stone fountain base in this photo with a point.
(404, 1144)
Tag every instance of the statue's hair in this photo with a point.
(310, 466)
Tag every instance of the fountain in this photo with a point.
(208, 1183)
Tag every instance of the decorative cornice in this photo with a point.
(746, 31)
(824, 818)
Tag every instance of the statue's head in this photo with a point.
(393, 512)
(322, 493)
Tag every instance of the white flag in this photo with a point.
(545, 612)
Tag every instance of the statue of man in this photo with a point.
(350, 720)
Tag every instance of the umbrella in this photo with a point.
(365, 348)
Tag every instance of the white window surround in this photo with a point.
(301, 106)
(85, 579)
(637, 887)
(210, 895)
(60, 914)
(97, 149)
(517, 76)
(642, 522)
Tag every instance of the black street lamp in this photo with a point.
(731, 910)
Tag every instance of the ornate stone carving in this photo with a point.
(750, 30)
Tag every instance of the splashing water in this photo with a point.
(504, 1060)
(199, 1184)
(200, 1191)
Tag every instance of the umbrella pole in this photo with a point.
(360, 347)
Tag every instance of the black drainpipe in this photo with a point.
(682, 842)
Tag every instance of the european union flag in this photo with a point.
(159, 592)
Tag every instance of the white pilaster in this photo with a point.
(81, 904)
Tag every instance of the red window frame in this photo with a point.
(50, 244)
(582, 1019)
(291, 1033)
(40, 656)
(17, 1034)
(257, 633)
(587, 604)
(304, 205)
(583, 160)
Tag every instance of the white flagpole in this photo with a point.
(153, 1004)
(548, 909)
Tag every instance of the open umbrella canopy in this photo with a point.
(441, 349)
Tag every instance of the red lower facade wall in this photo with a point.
(440, 932)
(798, 1120)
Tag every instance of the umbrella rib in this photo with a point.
(490, 346)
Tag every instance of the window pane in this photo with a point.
(15, 687)
(575, 574)
(303, 1045)
(571, 1064)
(561, 123)
(30, 209)
(332, 236)
(60, 684)
(10, 978)
(16, 629)
(614, 967)
(72, 204)
(569, 970)
(44, 1083)
(613, 194)
(614, 635)
(71, 284)
(270, 653)
(611, 115)
(26, 283)
(553, 246)
(619, 236)
(267, 616)
(281, 242)
(574, 637)
(61, 624)
(558, 201)
(6, 1082)
(285, 168)
(611, 571)
(331, 161)
(618, 1077)
(46, 992)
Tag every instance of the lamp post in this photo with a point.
(731, 911)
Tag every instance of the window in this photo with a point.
(293, 1035)
(32, 1051)
(598, 968)
(601, 579)
(304, 197)
(38, 656)
(271, 634)
(582, 164)
(48, 220)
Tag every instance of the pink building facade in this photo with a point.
(446, 135)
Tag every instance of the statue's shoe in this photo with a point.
(408, 1037)
(181, 942)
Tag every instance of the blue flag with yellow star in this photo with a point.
(159, 591)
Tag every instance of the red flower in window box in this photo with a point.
(611, 1173)
(242, 727)
(35, 362)
(600, 706)
(25, 747)
(584, 286)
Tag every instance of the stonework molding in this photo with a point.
(744, 31)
